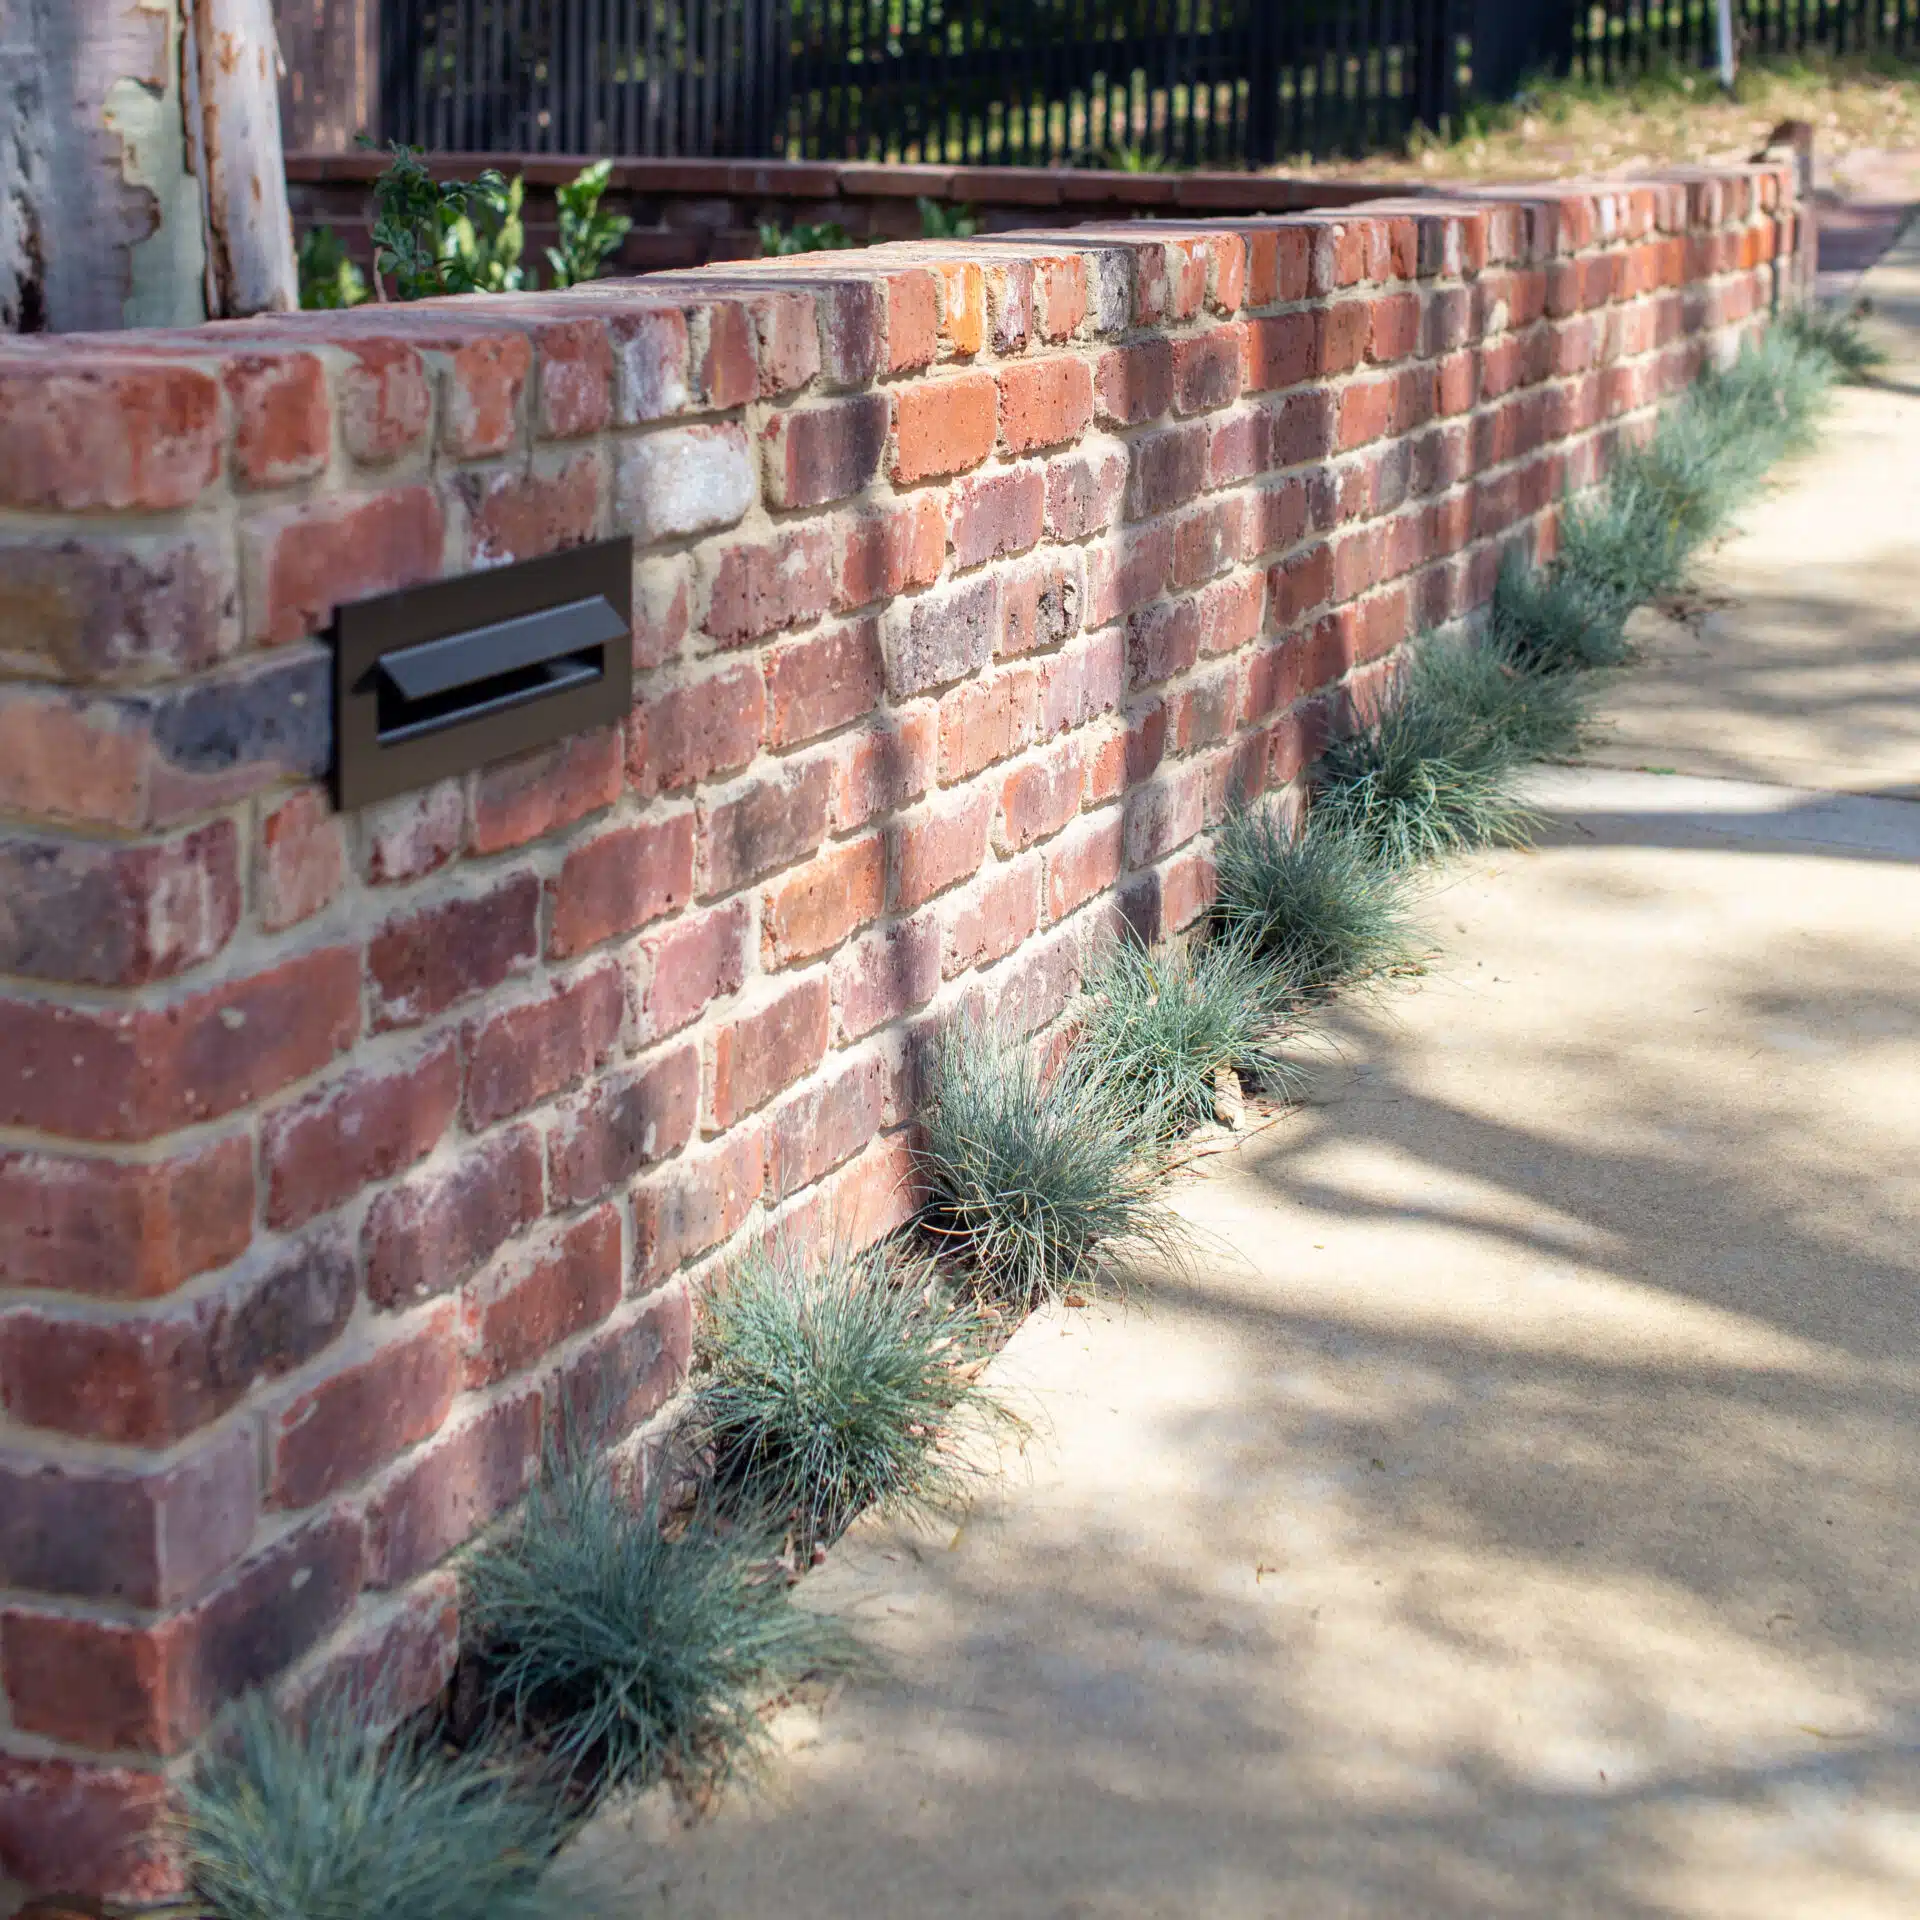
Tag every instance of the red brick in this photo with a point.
(943, 426)
(758, 1053)
(385, 401)
(1040, 604)
(787, 333)
(619, 882)
(701, 1200)
(426, 1235)
(624, 1122)
(466, 1477)
(97, 1073)
(760, 589)
(1146, 737)
(686, 734)
(299, 860)
(992, 917)
(1202, 711)
(535, 794)
(519, 1056)
(913, 321)
(812, 909)
(660, 617)
(883, 767)
(369, 1412)
(1231, 613)
(1135, 383)
(149, 1379)
(686, 966)
(996, 514)
(414, 834)
(1366, 412)
(282, 427)
(318, 1151)
(117, 434)
(945, 843)
(824, 1125)
(1039, 799)
(963, 306)
(817, 454)
(575, 382)
(1301, 429)
(424, 962)
(1127, 573)
(1395, 328)
(769, 824)
(650, 352)
(1207, 369)
(485, 381)
(1206, 541)
(725, 352)
(92, 1829)
(1186, 890)
(887, 551)
(539, 1297)
(1162, 641)
(623, 1374)
(1082, 863)
(1165, 815)
(1084, 491)
(853, 332)
(823, 681)
(1083, 680)
(302, 561)
(1283, 351)
(519, 516)
(884, 975)
(874, 1195)
(1060, 295)
(1167, 468)
(1106, 769)
(941, 636)
(100, 913)
(986, 719)
(1044, 403)
(121, 1232)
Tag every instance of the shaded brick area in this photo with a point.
(344, 1155)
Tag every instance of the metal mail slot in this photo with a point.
(436, 679)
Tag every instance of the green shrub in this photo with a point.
(625, 1652)
(589, 236)
(1553, 621)
(829, 236)
(328, 279)
(939, 222)
(1317, 903)
(823, 1389)
(446, 236)
(1036, 1178)
(332, 1823)
(1159, 1023)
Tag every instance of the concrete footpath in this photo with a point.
(1513, 1506)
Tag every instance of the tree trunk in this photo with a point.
(140, 183)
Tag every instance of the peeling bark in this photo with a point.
(250, 263)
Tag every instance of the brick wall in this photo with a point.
(337, 1153)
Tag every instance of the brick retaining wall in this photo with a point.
(338, 1152)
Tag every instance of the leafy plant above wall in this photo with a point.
(828, 236)
(589, 236)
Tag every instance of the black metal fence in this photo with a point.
(1132, 83)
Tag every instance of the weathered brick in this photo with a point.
(1231, 613)
(385, 401)
(282, 426)
(990, 918)
(996, 514)
(766, 825)
(1083, 862)
(413, 834)
(759, 1052)
(138, 1537)
(1300, 584)
(891, 549)
(536, 1297)
(623, 1374)
(301, 562)
(1167, 468)
(913, 321)
(1207, 540)
(371, 1410)
(963, 306)
(812, 909)
(111, 433)
(424, 1236)
(1301, 429)
(685, 966)
(1044, 403)
(322, 1149)
(1282, 352)
(1135, 383)
(726, 354)
(684, 734)
(882, 767)
(1040, 603)
(941, 636)
(1084, 491)
(574, 392)
(624, 1122)
(1165, 814)
(149, 1379)
(100, 913)
(681, 482)
(1060, 295)
(1161, 641)
(466, 1476)
(816, 454)
(853, 332)
(97, 1829)
(1207, 369)
(650, 372)
(96, 1073)
(884, 975)
(118, 1231)
(424, 962)
(823, 681)
(824, 1124)
(943, 426)
(702, 1199)
(986, 719)
(520, 1055)
(944, 843)
(619, 882)
(515, 515)
(1039, 798)
(755, 590)
(299, 860)
(535, 794)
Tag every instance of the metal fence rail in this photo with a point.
(1618, 38)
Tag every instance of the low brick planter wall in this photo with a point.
(340, 1152)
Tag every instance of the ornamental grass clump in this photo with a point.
(625, 1652)
(1160, 1025)
(1316, 904)
(1552, 620)
(328, 1821)
(1834, 334)
(825, 1387)
(1035, 1178)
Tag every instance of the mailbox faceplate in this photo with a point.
(438, 678)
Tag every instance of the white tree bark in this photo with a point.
(140, 183)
